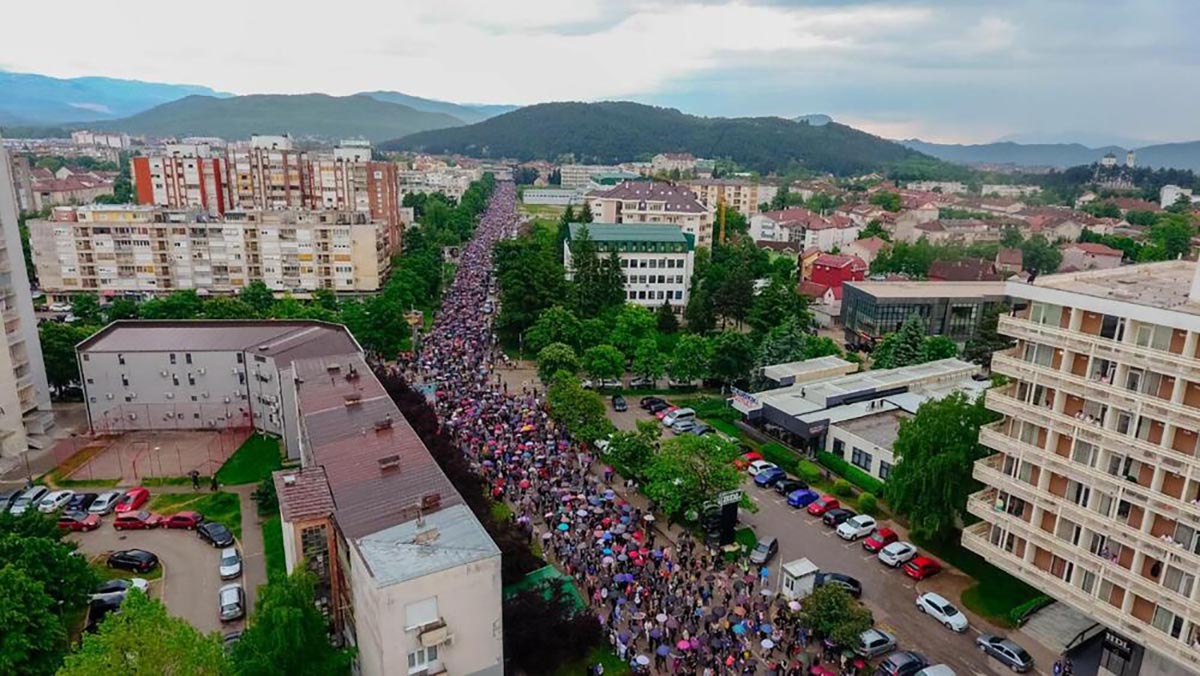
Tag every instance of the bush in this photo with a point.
(808, 472)
(851, 473)
(781, 455)
(1019, 614)
(867, 503)
(265, 497)
(842, 488)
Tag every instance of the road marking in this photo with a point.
(850, 545)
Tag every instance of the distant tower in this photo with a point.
(1130, 159)
(1109, 160)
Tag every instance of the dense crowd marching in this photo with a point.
(666, 607)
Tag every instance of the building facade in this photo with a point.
(871, 310)
(653, 202)
(737, 194)
(183, 177)
(656, 260)
(577, 176)
(1092, 495)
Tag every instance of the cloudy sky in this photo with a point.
(944, 70)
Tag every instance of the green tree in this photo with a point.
(987, 338)
(86, 308)
(901, 348)
(184, 304)
(604, 362)
(33, 640)
(821, 202)
(143, 640)
(1012, 238)
(585, 213)
(648, 360)
(934, 348)
(633, 324)
(935, 451)
(121, 308)
(875, 229)
(831, 612)
(630, 453)
(58, 351)
(690, 360)
(1039, 255)
(665, 318)
(258, 297)
(529, 271)
(890, 201)
(778, 302)
(555, 325)
(66, 578)
(1174, 234)
(556, 357)
(288, 634)
(597, 282)
(581, 411)
(1142, 218)
(687, 471)
(732, 356)
(326, 299)
(227, 307)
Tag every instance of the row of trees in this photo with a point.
(1169, 237)
(915, 258)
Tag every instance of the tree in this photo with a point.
(987, 339)
(630, 453)
(86, 308)
(648, 360)
(604, 362)
(633, 324)
(935, 451)
(688, 471)
(66, 578)
(901, 348)
(184, 304)
(665, 318)
(777, 303)
(934, 348)
(556, 357)
(597, 282)
(143, 640)
(258, 297)
(689, 361)
(33, 640)
(585, 213)
(1039, 255)
(58, 351)
(732, 356)
(530, 274)
(288, 634)
(1012, 238)
(227, 307)
(832, 613)
(121, 308)
(875, 229)
(581, 411)
(554, 325)
(533, 616)
(890, 201)
(1174, 234)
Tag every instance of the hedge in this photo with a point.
(867, 503)
(782, 456)
(842, 488)
(1022, 612)
(851, 473)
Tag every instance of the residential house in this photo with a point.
(653, 202)
(867, 248)
(964, 270)
(1089, 256)
(1010, 260)
(833, 270)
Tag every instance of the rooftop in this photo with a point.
(675, 198)
(804, 398)
(303, 494)
(440, 541)
(809, 368)
(930, 289)
(284, 340)
(629, 232)
(880, 428)
(1163, 285)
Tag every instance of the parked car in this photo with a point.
(677, 415)
(880, 539)
(802, 498)
(764, 551)
(80, 502)
(665, 411)
(30, 498)
(874, 642)
(79, 521)
(834, 518)
(105, 502)
(743, 461)
(922, 567)
(937, 607)
(641, 383)
(769, 477)
(133, 500)
(1008, 652)
(231, 639)
(60, 307)
(231, 563)
(897, 553)
(232, 601)
(823, 504)
(700, 429)
(54, 501)
(8, 497)
(851, 585)
(657, 407)
(618, 403)
(647, 402)
(684, 426)
(137, 521)
(118, 587)
(936, 670)
(100, 609)
(902, 663)
(137, 560)
(215, 533)
(184, 520)
(789, 486)
(856, 527)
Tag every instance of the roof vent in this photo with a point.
(383, 424)
(333, 368)
(353, 399)
(352, 373)
(426, 537)
(431, 501)
(389, 462)
(289, 479)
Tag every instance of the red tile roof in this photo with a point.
(840, 261)
(1095, 249)
(871, 244)
(965, 270)
(676, 198)
(303, 494)
(812, 289)
(1010, 257)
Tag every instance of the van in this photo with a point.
(677, 415)
(28, 499)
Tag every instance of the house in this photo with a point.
(833, 269)
(1009, 260)
(807, 258)
(653, 202)
(867, 248)
(965, 270)
(1090, 256)
(673, 162)
(804, 227)
(825, 302)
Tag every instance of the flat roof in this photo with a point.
(445, 539)
(799, 399)
(880, 428)
(798, 369)
(930, 289)
(284, 340)
(1163, 285)
(621, 232)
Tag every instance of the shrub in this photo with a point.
(867, 504)
(781, 455)
(842, 488)
(851, 473)
(264, 495)
(808, 472)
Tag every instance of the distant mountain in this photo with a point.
(41, 100)
(468, 113)
(621, 131)
(327, 117)
(1184, 155)
(816, 119)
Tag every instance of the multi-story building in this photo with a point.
(1007, 190)
(656, 260)
(1170, 194)
(944, 187)
(576, 176)
(1093, 494)
(833, 270)
(653, 202)
(185, 176)
(138, 250)
(24, 393)
(673, 162)
(871, 310)
(97, 138)
(451, 182)
(804, 228)
(739, 194)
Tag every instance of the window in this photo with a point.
(187, 357)
(861, 458)
(125, 380)
(172, 357)
(839, 448)
(1179, 581)
(120, 359)
(885, 470)
(1167, 621)
(422, 659)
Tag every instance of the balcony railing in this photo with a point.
(1105, 348)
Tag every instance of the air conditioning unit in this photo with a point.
(212, 423)
(200, 370)
(170, 395)
(108, 395)
(168, 415)
(204, 394)
(226, 400)
(133, 395)
(163, 374)
(235, 370)
(133, 416)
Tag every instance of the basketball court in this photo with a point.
(133, 456)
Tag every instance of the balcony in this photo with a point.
(1098, 346)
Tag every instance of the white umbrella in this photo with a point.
(794, 605)
(642, 660)
(767, 644)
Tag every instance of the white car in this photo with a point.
(936, 670)
(105, 503)
(678, 415)
(758, 466)
(231, 563)
(28, 499)
(54, 501)
(897, 553)
(856, 527)
(937, 607)
(60, 307)
(231, 600)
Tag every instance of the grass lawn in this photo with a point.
(80, 483)
(272, 534)
(251, 463)
(220, 506)
(99, 565)
(995, 592)
(603, 654)
(172, 481)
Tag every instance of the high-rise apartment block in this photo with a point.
(653, 202)
(1093, 494)
(185, 176)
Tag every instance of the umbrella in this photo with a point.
(738, 585)
(663, 650)
(564, 526)
(766, 592)
(648, 517)
(661, 617)
(767, 644)
(718, 611)
(608, 560)
(582, 512)
(739, 628)
(683, 645)
(765, 628)
(710, 577)
(623, 636)
(694, 642)
(642, 660)
(598, 534)
(639, 616)
(739, 611)
(656, 633)
(794, 605)
(672, 623)
(546, 536)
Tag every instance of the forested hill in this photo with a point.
(613, 132)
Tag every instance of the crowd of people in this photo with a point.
(667, 607)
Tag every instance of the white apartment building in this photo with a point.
(96, 138)
(576, 176)
(1170, 194)
(944, 187)
(184, 176)
(738, 194)
(1006, 190)
(657, 260)
(1093, 494)
(805, 228)
(653, 202)
(136, 250)
(450, 182)
(560, 197)
(24, 392)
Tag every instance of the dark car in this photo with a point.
(618, 403)
(231, 639)
(99, 609)
(647, 402)
(1009, 653)
(769, 477)
(834, 517)
(787, 486)
(764, 551)
(802, 498)
(137, 560)
(80, 502)
(851, 585)
(902, 663)
(658, 406)
(216, 534)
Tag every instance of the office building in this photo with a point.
(1093, 494)
(653, 202)
(870, 310)
(656, 260)
(559, 197)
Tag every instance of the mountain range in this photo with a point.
(31, 99)
(1183, 155)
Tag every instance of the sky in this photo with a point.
(1095, 71)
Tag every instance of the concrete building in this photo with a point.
(944, 187)
(666, 162)
(1089, 256)
(559, 197)
(1093, 494)
(136, 250)
(183, 177)
(1170, 194)
(576, 176)
(656, 260)
(97, 138)
(653, 202)
(24, 393)
(451, 182)
(1007, 190)
(833, 270)
(871, 310)
(806, 229)
(738, 194)
(407, 574)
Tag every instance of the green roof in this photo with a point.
(629, 232)
(540, 579)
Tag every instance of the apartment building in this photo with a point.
(653, 202)
(185, 176)
(738, 194)
(451, 182)
(577, 176)
(97, 138)
(24, 393)
(1093, 494)
(657, 260)
(141, 250)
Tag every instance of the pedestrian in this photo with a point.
(195, 474)
(212, 483)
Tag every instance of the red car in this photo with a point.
(133, 499)
(743, 461)
(824, 504)
(185, 520)
(79, 521)
(922, 567)
(880, 539)
(137, 521)
(663, 413)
